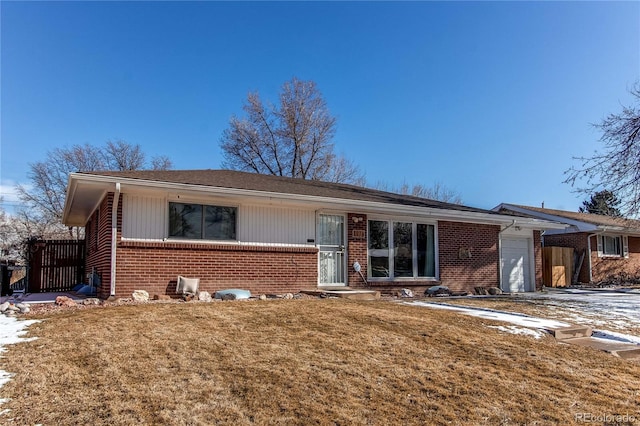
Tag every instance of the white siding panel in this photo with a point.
(144, 217)
(263, 224)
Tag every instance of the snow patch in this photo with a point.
(517, 319)
(11, 332)
(513, 329)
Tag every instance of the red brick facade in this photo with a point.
(155, 265)
(537, 253)
(481, 268)
(98, 240)
(608, 267)
(602, 268)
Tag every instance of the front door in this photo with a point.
(331, 255)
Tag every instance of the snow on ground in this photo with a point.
(11, 331)
(514, 329)
(513, 318)
(595, 308)
(615, 309)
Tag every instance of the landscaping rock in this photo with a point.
(140, 296)
(263, 297)
(288, 296)
(406, 292)
(228, 296)
(25, 309)
(4, 307)
(188, 297)
(91, 301)
(204, 296)
(161, 297)
(494, 291)
(437, 290)
(65, 301)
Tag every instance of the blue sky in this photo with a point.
(492, 99)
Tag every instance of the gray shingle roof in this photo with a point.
(283, 185)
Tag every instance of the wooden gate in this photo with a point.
(55, 265)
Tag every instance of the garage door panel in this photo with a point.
(515, 264)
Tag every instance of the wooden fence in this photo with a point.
(55, 265)
(557, 266)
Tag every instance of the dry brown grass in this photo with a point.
(303, 362)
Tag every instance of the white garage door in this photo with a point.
(516, 272)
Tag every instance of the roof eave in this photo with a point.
(102, 183)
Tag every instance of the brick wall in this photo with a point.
(356, 248)
(461, 273)
(98, 240)
(537, 253)
(606, 268)
(154, 267)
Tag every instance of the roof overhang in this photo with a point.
(572, 225)
(85, 193)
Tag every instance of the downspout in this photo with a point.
(500, 249)
(114, 238)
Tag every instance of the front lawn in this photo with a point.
(303, 362)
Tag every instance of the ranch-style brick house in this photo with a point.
(271, 234)
(612, 244)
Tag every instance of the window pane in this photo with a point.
(378, 234)
(185, 220)
(612, 245)
(426, 250)
(330, 230)
(220, 223)
(378, 248)
(403, 245)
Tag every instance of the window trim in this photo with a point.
(202, 232)
(623, 246)
(391, 249)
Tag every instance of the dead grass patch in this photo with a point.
(303, 362)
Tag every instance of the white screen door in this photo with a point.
(331, 256)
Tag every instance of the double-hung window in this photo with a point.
(401, 249)
(613, 245)
(197, 221)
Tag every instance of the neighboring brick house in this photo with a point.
(612, 244)
(272, 234)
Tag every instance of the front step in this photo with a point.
(581, 336)
(574, 332)
(626, 353)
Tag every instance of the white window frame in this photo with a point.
(391, 255)
(623, 244)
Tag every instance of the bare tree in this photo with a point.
(17, 227)
(292, 138)
(120, 155)
(438, 191)
(617, 167)
(161, 162)
(45, 196)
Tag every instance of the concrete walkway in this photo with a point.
(582, 336)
